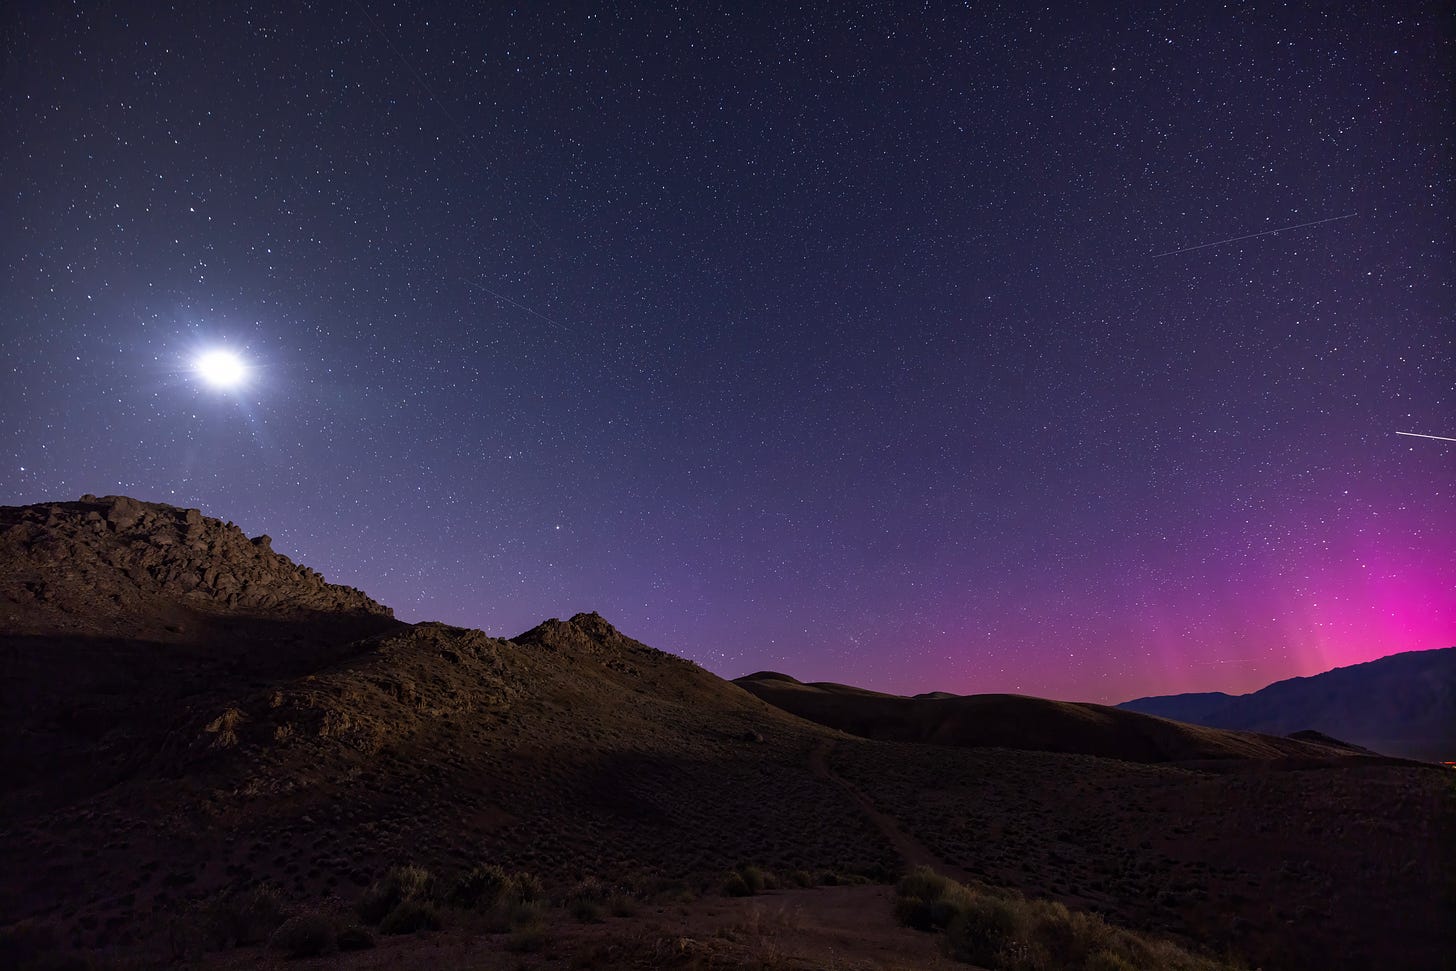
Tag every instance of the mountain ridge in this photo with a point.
(1402, 704)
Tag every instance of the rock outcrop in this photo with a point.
(102, 557)
(590, 635)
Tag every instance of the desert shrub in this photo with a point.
(735, 886)
(587, 901)
(305, 936)
(410, 916)
(924, 883)
(524, 920)
(523, 887)
(375, 904)
(983, 930)
(746, 881)
(400, 884)
(927, 915)
(480, 887)
(355, 938)
(415, 882)
(1107, 961)
(1012, 934)
(755, 878)
(521, 899)
(927, 901)
(799, 878)
(244, 917)
(916, 912)
(1070, 938)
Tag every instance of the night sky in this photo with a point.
(849, 343)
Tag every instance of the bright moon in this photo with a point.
(221, 369)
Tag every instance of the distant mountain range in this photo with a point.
(1404, 705)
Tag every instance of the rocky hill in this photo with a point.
(1403, 705)
(242, 721)
(121, 620)
(87, 566)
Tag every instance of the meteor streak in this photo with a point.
(1439, 438)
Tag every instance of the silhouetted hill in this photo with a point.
(1019, 722)
(1403, 705)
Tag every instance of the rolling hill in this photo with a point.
(1018, 722)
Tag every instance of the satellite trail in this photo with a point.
(1439, 438)
(1267, 232)
(519, 306)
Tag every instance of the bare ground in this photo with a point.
(842, 928)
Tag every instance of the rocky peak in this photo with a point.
(114, 555)
(589, 635)
(588, 632)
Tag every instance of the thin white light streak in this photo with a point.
(519, 306)
(1267, 232)
(1439, 438)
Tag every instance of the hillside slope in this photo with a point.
(1018, 722)
(1403, 705)
(120, 619)
(225, 718)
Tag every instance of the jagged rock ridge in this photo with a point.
(122, 623)
(101, 557)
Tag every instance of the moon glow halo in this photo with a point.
(221, 369)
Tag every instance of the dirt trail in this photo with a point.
(910, 850)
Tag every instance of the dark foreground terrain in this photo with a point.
(215, 758)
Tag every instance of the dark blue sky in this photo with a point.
(834, 342)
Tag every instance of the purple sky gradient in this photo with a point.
(834, 343)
